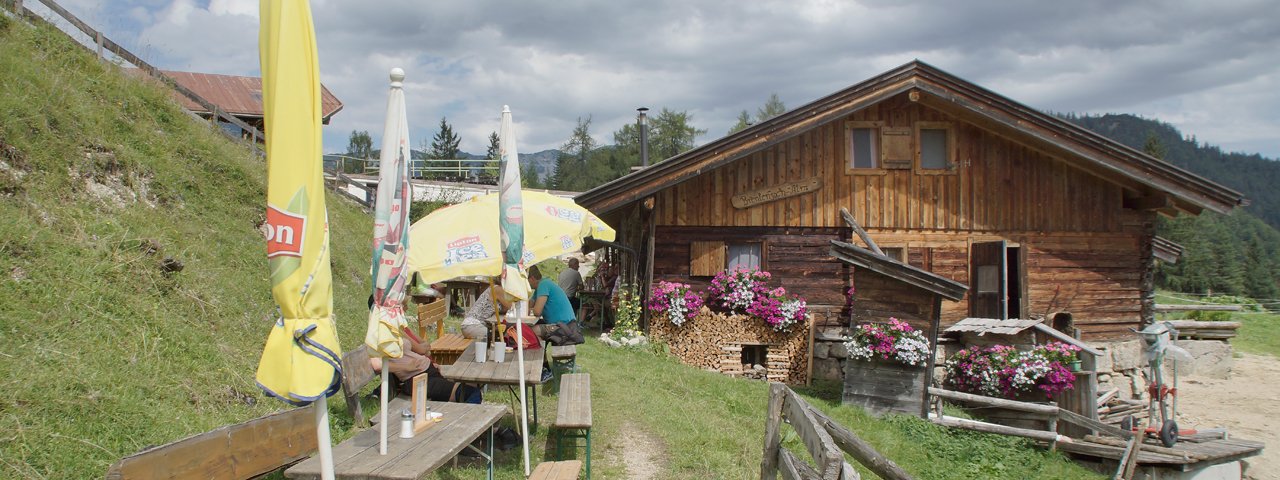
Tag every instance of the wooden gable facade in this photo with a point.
(1034, 214)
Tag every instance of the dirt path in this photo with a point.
(1247, 404)
(641, 453)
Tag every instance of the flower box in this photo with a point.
(885, 386)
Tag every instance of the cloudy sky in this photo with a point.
(1212, 69)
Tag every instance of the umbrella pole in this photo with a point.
(382, 436)
(524, 409)
(322, 438)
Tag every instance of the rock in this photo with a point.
(1126, 355)
(1212, 359)
(828, 369)
(1103, 363)
(821, 349)
(838, 350)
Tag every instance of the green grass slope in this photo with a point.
(102, 178)
(102, 353)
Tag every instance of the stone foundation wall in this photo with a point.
(1121, 364)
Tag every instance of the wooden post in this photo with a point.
(861, 451)
(97, 38)
(772, 437)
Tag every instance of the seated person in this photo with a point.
(480, 318)
(416, 360)
(550, 304)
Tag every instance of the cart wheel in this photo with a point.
(1126, 423)
(1169, 433)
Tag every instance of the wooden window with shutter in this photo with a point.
(706, 258)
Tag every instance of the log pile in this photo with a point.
(714, 341)
(1112, 409)
(1197, 330)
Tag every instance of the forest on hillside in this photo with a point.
(1235, 254)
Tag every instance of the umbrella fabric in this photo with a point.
(301, 360)
(511, 218)
(464, 240)
(390, 229)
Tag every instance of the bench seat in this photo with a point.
(573, 413)
(564, 470)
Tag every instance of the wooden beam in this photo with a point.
(975, 425)
(848, 218)
(1046, 410)
(1089, 423)
(1064, 338)
(793, 468)
(826, 456)
(772, 437)
(860, 450)
(1206, 308)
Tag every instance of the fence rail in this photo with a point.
(822, 437)
(103, 43)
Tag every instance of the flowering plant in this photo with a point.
(735, 290)
(676, 300)
(895, 340)
(777, 310)
(1003, 371)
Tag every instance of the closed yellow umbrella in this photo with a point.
(465, 240)
(301, 361)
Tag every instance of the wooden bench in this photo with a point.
(241, 451)
(566, 470)
(573, 413)
(563, 358)
(433, 314)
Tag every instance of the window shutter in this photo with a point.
(706, 258)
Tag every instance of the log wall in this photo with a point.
(1082, 250)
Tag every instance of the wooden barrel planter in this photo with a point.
(885, 386)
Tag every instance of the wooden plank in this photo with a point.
(562, 470)
(815, 438)
(967, 424)
(574, 408)
(862, 234)
(772, 432)
(358, 457)
(860, 450)
(562, 352)
(793, 468)
(240, 451)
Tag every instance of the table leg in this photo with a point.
(492, 428)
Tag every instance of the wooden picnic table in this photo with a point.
(467, 370)
(411, 458)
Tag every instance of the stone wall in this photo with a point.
(1121, 364)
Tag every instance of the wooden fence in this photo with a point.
(823, 438)
(103, 43)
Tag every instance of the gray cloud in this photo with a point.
(1210, 68)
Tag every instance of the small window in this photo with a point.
(936, 145)
(896, 253)
(743, 255)
(864, 145)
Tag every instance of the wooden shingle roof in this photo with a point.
(889, 267)
(1162, 182)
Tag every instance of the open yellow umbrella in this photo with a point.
(301, 362)
(465, 240)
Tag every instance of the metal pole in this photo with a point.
(644, 136)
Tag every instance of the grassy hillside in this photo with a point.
(103, 178)
(104, 181)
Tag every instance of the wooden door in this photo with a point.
(988, 280)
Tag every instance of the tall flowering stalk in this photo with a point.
(895, 340)
(1003, 371)
(676, 300)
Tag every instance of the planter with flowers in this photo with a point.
(743, 327)
(1036, 375)
(886, 370)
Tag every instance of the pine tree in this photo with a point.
(444, 146)
(493, 155)
(772, 108)
(359, 146)
(671, 134)
(744, 121)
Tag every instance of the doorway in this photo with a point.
(996, 281)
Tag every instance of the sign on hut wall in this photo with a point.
(766, 195)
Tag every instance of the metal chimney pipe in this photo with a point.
(644, 136)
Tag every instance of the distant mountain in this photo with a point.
(1253, 175)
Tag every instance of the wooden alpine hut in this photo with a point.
(1035, 215)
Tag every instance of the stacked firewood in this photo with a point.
(1112, 409)
(714, 341)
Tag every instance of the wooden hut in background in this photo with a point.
(1034, 214)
